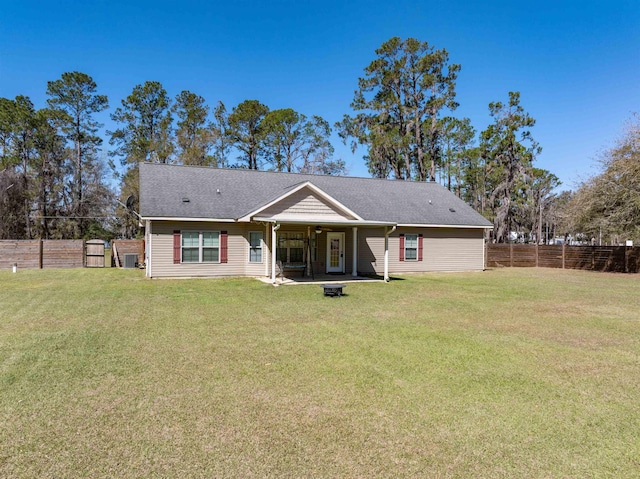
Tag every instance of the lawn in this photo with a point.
(526, 373)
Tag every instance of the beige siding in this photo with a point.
(306, 205)
(371, 250)
(238, 251)
(444, 249)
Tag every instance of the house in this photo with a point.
(214, 222)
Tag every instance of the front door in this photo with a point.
(335, 252)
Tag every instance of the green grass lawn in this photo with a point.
(526, 373)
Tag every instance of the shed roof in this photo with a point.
(176, 191)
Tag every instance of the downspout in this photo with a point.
(386, 252)
(274, 228)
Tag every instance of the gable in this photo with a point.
(305, 204)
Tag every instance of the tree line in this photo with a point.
(54, 179)
(53, 174)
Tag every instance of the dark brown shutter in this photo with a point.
(176, 247)
(419, 247)
(401, 247)
(223, 247)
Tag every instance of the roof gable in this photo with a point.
(303, 201)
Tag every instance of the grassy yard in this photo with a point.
(526, 373)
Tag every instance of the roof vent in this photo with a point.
(452, 210)
(185, 200)
(218, 190)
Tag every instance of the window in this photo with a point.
(200, 246)
(255, 247)
(290, 247)
(411, 247)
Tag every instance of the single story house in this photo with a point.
(214, 222)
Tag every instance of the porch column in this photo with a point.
(308, 252)
(386, 255)
(387, 232)
(354, 267)
(264, 249)
(274, 228)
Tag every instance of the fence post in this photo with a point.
(40, 253)
(511, 255)
(537, 255)
(563, 254)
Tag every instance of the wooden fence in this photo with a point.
(618, 259)
(33, 254)
(42, 253)
(121, 247)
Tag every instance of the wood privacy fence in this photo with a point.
(618, 259)
(30, 254)
(42, 253)
(121, 247)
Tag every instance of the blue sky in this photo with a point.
(576, 63)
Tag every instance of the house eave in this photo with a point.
(421, 225)
(177, 218)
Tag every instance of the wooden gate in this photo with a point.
(95, 253)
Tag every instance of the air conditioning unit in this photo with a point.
(130, 260)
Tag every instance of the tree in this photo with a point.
(294, 143)
(144, 136)
(18, 128)
(540, 189)
(194, 137)
(457, 139)
(51, 179)
(400, 100)
(509, 151)
(284, 138)
(608, 204)
(74, 100)
(317, 153)
(221, 132)
(146, 132)
(246, 132)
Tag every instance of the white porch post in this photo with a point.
(386, 250)
(386, 255)
(308, 252)
(274, 228)
(354, 267)
(264, 249)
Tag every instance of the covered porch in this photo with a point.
(322, 252)
(310, 233)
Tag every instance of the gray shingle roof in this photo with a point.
(232, 193)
